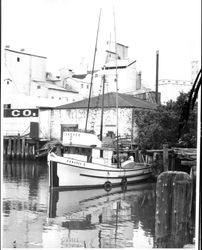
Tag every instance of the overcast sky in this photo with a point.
(65, 32)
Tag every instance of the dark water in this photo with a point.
(35, 217)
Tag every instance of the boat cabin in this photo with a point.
(85, 153)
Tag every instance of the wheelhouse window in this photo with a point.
(79, 151)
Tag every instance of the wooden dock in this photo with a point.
(16, 147)
(172, 159)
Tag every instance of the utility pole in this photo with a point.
(157, 74)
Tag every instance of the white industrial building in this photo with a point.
(25, 87)
(128, 77)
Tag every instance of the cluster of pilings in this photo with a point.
(174, 211)
(16, 147)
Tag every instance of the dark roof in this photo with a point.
(24, 53)
(80, 76)
(124, 101)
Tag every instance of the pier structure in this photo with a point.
(172, 159)
(20, 147)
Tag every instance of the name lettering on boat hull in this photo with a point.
(76, 163)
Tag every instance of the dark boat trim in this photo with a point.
(84, 187)
(118, 177)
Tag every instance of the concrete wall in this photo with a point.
(68, 97)
(39, 89)
(45, 124)
(13, 125)
(23, 68)
(82, 86)
(126, 80)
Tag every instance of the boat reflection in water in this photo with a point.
(97, 218)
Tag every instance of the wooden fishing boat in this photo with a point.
(81, 162)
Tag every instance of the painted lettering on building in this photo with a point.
(21, 113)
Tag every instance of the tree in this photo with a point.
(163, 125)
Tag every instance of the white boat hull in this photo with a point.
(71, 173)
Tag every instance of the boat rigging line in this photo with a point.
(91, 82)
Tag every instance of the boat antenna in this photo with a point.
(91, 82)
(116, 79)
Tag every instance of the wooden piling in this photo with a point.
(173, 159)
(30, 151)
(165, 157)
(173, 209)
(34, 152)
(5, 147)
(26, 150)
(139, 156)
(14, 149)
(9, 148)
(23, 148)
(18, 152)
(18, 147)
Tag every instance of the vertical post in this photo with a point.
(173, 157)
(18, 146)
(157, 74)
(102, 114)
(102, 110)
(5, 148)
(165, 157)
(23, 148)
(132, 127)
(117, 103)
(14, 147)
(9, 148)
(173, 209)
(26, 150)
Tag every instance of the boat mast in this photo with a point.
(102, 110)
(116, 79)
(91, 82)
(103, 92)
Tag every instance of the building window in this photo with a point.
(60, 98)
(67, 98)
(82, 85)
(87, 86)
(18, 59)
(38, 87)
(52, 97)
(7, 106)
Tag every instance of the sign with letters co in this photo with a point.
(21, 112)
